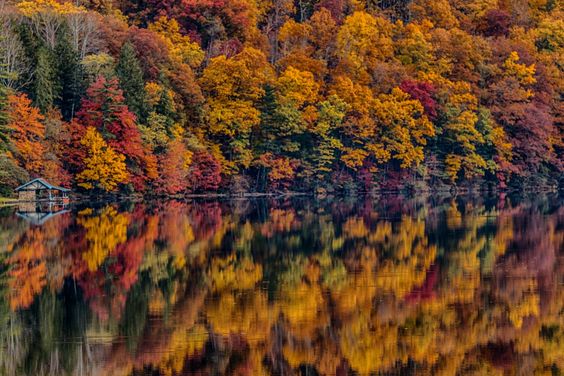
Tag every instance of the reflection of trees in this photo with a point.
(28, 270)
(104, 232)
(389, 287)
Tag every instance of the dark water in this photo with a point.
(432, 285)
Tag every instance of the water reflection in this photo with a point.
(391, 286)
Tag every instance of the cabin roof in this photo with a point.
(28, 186)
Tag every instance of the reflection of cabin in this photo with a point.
(39, 190)
(38, 217)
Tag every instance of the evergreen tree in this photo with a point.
(130, 76)
(3, 107)
(165, 107)
(44, 85)
(3, 103)
(280, 125)
(270, 118)
(70, 77)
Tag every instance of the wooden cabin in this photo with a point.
(40, 190)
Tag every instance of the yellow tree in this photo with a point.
(439, 12)
(104, 167)
(296, 88)
(234, 87)
(460, 137)
(358, 123)
(180, 47)
(325, 133)
(464, 135)
(289, 110)
(413, 46)
(404, 129)
(362, 42)
(523, 73)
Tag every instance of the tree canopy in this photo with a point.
(278, 95)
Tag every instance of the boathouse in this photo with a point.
(40, 190)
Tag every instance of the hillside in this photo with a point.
(176, 96)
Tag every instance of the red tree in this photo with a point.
(335, 7)
(105, 110)
(151, 50)
(423, 92)
(495, 23)
(206, 172)
(72, 153)
(173, 176)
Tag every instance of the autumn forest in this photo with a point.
(189, 96)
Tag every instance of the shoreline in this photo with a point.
(81, 198)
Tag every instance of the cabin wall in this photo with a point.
(26, 195)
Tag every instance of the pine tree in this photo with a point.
(3, 108)
(270, 120)
(70, 77)
(3, 104)
(131, 81)
(165, 107)
(44, 87)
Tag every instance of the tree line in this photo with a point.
(176, 96)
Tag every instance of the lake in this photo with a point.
(389, 285)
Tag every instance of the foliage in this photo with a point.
(205, 172)
(180, 47)
(105, 168)
(362, 42)
(131, 81)
(174, 168)
(234, 86)
(3, 107)
(296, 95)
(404, 128)
(105, 110)
(26, 134)
(45, 85)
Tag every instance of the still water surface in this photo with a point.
(398, 286)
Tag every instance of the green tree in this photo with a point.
(279, 125)
(70, 75)
(325, 137)
(165, 107)
(130, 77)
(44, 84)
(3, 108)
